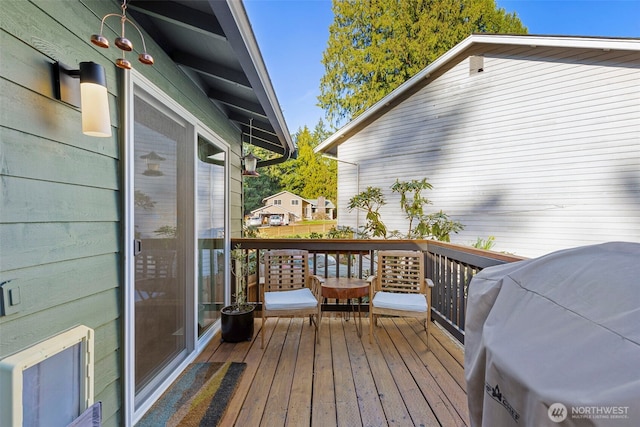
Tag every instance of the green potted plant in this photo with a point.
(237, 318)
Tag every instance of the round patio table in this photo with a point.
(341, 288)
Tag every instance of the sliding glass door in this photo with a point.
(161, 235)
(177, 241)
(211, 218)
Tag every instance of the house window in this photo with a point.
(277, 202)
(50, 383)
(295, 202)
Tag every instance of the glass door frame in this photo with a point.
(136, 84)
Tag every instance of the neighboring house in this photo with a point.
(294, 207)
(322, 206)
(534, 140)
(265, 212)
(105, 237)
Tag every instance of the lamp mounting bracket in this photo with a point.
(66, 86)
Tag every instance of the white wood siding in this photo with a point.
(540, 150)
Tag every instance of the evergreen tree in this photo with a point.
(309, 175)
(376, 45)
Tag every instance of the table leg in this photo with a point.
(359, 323)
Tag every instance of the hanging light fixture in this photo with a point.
(153, 166)
(250, 160)
(122, 42)
(250, 163)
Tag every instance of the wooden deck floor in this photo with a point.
(345, 381)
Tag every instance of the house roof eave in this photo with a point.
(469, 46)
(244, 42)
(213, 43)
(279, 193)
(272, 210)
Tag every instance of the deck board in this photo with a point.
(323, 408)
(395, 410)
(344, 380)
(371, 411)
(413, 357)
(405, 379)
(275, 413)
(252, 358)
(256, 400)
(345, 391)
(299, 409)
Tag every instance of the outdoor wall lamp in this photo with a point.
(250, 161)
(92, 99)
(122, 42)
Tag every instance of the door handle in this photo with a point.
(137, 247)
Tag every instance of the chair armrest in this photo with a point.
(261, 282)
(372, 287)
(316, 286)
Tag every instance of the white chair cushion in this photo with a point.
(290, 300)
(393, 301)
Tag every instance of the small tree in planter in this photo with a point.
(237, 318)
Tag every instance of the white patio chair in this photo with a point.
(289, 289)
(400, 289)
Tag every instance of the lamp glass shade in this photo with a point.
(94, 100)
(250, 163)
(95, 110)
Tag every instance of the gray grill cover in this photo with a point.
(560, 329)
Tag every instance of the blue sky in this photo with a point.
(292, 34)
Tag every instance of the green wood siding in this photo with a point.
(60, 197)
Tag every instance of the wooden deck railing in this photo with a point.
(450, 266)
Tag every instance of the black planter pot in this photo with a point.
(236, 326)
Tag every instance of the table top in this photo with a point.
(344, 288)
